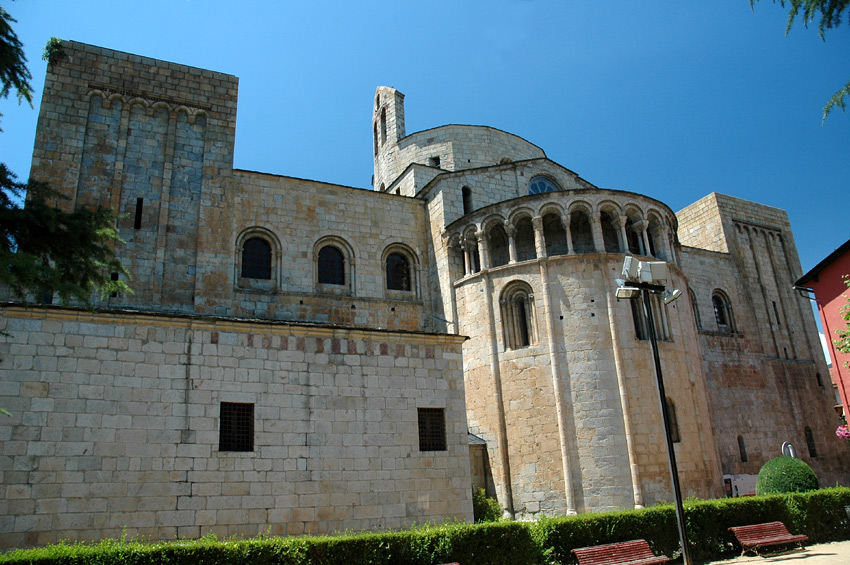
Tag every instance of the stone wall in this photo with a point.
(115, 427)
(762, 366)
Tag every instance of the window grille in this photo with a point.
(432, 429)
(236, 427)
(257, 259)
(331, 266)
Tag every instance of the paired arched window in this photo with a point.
(672, 420)
(331, 265)
(722, 312)
(257, 259)
(398, 272)
(518, 317)
(539, 185)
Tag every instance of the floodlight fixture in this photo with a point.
(652, 272)
(669, 296)
(630, 268)
(628, 292)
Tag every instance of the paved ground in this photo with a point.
(837, 553)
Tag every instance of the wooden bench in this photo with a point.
(635, 552)
(754, 537)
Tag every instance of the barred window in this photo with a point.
(236, 427)
(331, 266)
(257, 259)
(432, 429)
(398, 272)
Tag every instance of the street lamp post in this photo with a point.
(644, 278)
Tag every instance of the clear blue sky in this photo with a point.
(667, 98)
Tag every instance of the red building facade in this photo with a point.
(827, 281)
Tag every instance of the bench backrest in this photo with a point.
(760, 531)
(614, 553)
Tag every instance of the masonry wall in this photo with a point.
(146, 138)
(115, 428)
(762, 372)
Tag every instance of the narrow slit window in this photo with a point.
(137, 222)
(113, 277)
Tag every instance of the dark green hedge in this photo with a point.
(818, 514)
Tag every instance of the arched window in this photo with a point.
(673, 421)
(467, 200)
(257, 259)
(499, 246)
(524, 240)
(581, 232)
(331, 266)
(742, 449)
(383, 125)
(810, 442)
(695, 308)
(539, 185)
(610, 232)
(554, 235)
(634, 241)
(517, 307)
(655, 231)
(398, 272)
(722, 312)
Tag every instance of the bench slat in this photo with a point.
(634, 552)
(755, 536)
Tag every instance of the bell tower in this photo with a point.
(387, 130)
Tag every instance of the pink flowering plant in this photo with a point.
(843, 432)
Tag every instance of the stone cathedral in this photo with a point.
(302, 357)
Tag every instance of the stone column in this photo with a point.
(566, 219)
(539, 240)
(467, 263)
(560, 379)
(495, 370)
(483, 249)
(637, 492)
(624, 238)
(596, 229)
(644, 239)
(511, 231)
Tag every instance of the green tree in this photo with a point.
(830, 12)
(43, 249)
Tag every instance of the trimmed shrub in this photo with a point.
(785, 474)
(818, 514)
(485, 509)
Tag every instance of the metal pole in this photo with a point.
(671, 454)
